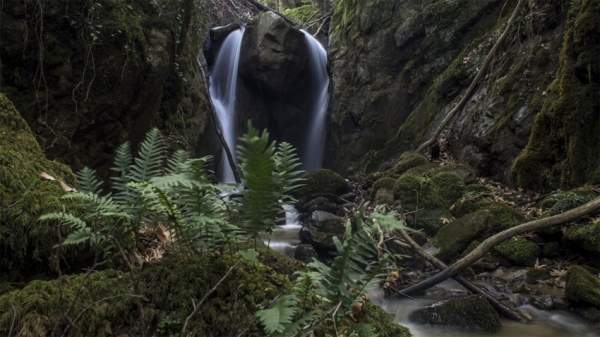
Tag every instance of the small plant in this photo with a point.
(324, 293)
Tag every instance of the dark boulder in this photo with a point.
(472, 313)
(274, 79)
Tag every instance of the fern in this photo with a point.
(288, 170)
(87, 181)
(122, 163)
(150, 159)
(260, 196)
(280, 315)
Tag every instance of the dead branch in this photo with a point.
(197, 306)
(493, 241)
(501, 308)
(217, 127)
(471, 89)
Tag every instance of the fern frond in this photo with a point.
(87, 181)
(123, 161)
(289, 172)
(150, 158)
(279, 316)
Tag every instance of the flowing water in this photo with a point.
(545, 324)
(223, 92)
(315, 142)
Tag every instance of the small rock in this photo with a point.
(305, 253)
(472, 313)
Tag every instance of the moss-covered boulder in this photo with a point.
(471, 201)
(407, 161)
(415, 191)
(586, 237)
(582, 287)
(472, 313)
(156, 300)
(451, 185)
(383, 190)
(519, 251)
(455, 237)
(323, 182)
(26, 245)
(563, 201)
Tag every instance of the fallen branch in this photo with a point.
(501, 308)
(471, 90)
(197, 306)
(217, 127)
(493, 241)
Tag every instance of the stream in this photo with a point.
(545, 324)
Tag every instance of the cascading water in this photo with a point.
(223, 92)
(315, 144)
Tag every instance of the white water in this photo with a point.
(315, 143)
(223, 92)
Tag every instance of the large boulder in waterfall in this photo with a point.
(274, 54)
(275, 79)
(473, 313)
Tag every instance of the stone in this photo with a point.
(305, 253)
(519, 251)
(323, 182)
(585, 237)
(582, 287)
(471, 313)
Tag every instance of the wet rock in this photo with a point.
(472, 313)
(321, 228)
(585, 237)
(320, 204)
(582, 287)
(323, 182)
(305, 253)
(275, 79)
(519, 251)
(455, 237)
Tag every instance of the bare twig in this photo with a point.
(199, 304)
(471, 90)
(493, 241)
(217, 127)
(13, 320)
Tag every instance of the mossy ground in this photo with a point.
(26, 245)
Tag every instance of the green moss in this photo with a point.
(323, 181)
(451, 186)
(416, 192)
(385, 183)
(470, 202)
(563, 201)
(587, 237)
(302, 14)
(383, 323)
(519, 251)
(429, 220)
(105, 306)
(453, 238)
(26, 244)
(565, 138)
(582, 287)
(407, 161)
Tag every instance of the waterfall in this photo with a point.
(315, 143)
(223, 92)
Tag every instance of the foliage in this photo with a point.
(270, 173)
(152, 191)
(324, 291)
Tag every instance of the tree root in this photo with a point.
(502, 309)
(471, 90)
(493, 241)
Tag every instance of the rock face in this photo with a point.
(26, 245)
(399, 66)
(472, 313)
(583, 287)
(275, 79)
(87, 83)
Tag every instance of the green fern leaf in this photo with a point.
(87, 181)
(150, 158)
(279, 316)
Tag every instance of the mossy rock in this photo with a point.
(429, 220)
(383, 191)
(323, 182)
(385, 183)
(472, 313)
(582, 287)
(455, 237)
(562, 201)
(471, 202)
(586, 237)
(451, 185)
(26, 245)
(519, 251)
(109, 305)
(415, 192)
(407, 160)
